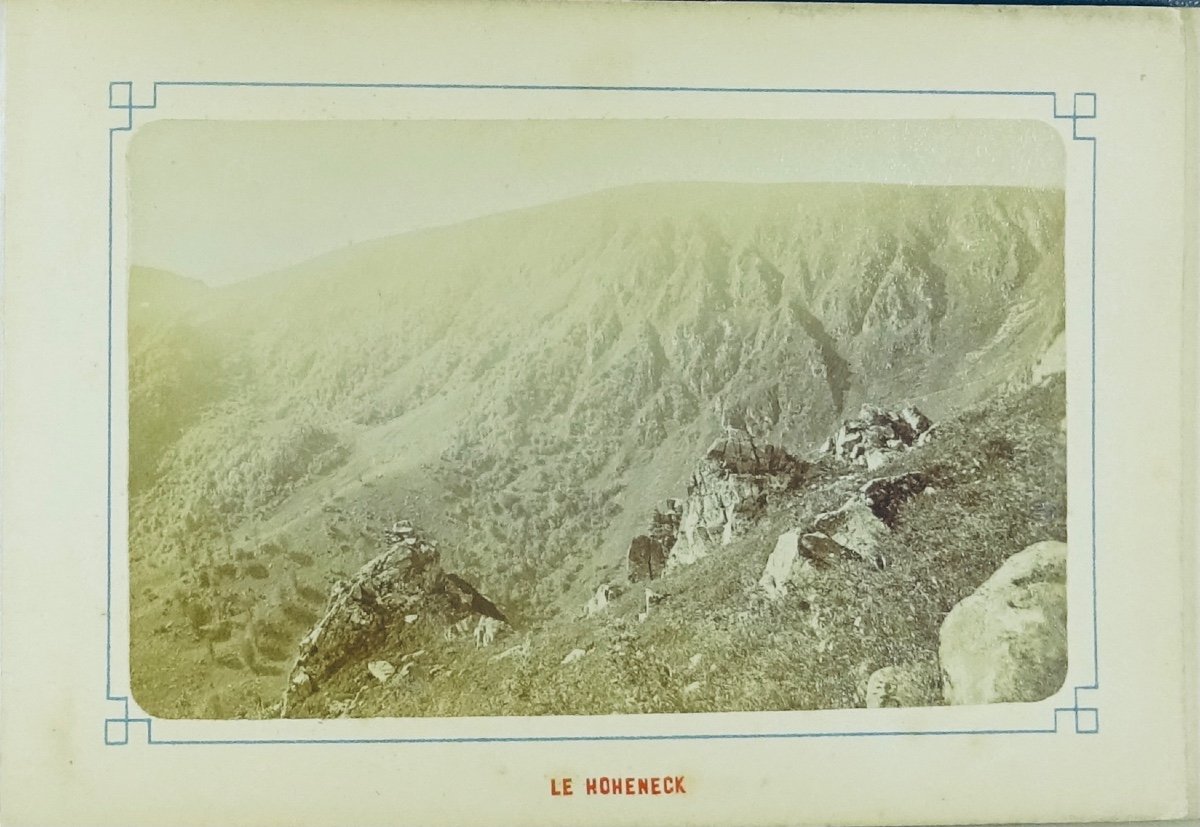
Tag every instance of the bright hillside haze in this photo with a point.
(527, 386)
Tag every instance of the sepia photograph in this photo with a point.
(586, 417)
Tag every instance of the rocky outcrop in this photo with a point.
(853, 531)
(729, 486)
(875, 433)
(738, 454)
(1007, 642)
(797, 557)
(405, 581)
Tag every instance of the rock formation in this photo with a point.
(850, 532)
(728, 487)
(1007, 642)
(874, 433)
(403, 581)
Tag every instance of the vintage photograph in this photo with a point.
(584, 417)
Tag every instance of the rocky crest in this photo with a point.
(400, 586)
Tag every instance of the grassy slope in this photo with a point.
(999, 474)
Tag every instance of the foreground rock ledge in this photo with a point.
(1007, 642)
(406, 581)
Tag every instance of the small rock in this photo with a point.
(692, 688)
(573, 655)
(892, 686)
(694, 660)
(521, 650)
(410, 618)
(598, 602)
(486, 630)
(381, 670)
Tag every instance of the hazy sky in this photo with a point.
(222, 201)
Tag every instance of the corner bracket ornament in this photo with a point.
(1083, 108)
(116, 729)
(1086, 718)
(121, 98)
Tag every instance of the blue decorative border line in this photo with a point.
(1086, 719)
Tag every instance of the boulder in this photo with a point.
(1007, 642)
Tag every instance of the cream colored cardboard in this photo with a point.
(76, 748)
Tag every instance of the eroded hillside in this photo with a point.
(529, 387)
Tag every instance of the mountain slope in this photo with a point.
(528, 386)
